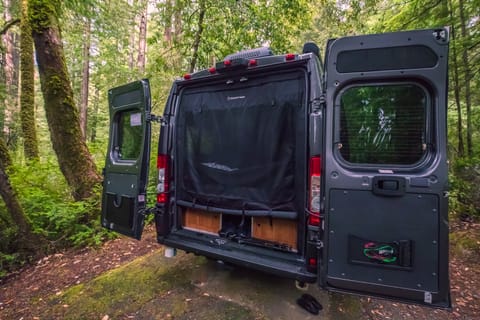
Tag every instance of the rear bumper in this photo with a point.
(282, 264)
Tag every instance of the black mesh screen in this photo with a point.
(393, 58)
(237, 143)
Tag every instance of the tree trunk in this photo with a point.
(93, 134)
(456, 88)
(198, 37)
(74, 159)
(85, 79)
(178, 21)
(142, 39)
(27, 93)
(26, 239)
(131, 43)
(9, 71)
(468, 76)
(167, 33)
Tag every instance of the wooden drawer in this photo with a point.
(203, 221)
(277, 230)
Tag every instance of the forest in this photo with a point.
(59, 58)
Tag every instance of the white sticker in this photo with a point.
(141, 198)
(385, 171)
(135, 119)
(427, 297)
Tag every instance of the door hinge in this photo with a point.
(150, 117)
(148, 211)
(318, 103)
(441, 35)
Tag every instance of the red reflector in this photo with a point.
(162, 198)
(212, 70)
(289, 56)
(227, 63)
(315, 164)
(162, 161)
(187, 76)
(312, 262)
(252, 63)
(313, 220)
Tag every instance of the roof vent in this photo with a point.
(250, 54)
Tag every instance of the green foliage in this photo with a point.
(232, 26)
(464, 195)
(7, 262)
(47, 202)
(8, 258)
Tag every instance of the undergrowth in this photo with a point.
(52, 212)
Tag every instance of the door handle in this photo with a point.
(389, 186)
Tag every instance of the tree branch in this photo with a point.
(8, 25)
(421, 14)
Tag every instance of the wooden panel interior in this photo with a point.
(203, 221)
(277, 230)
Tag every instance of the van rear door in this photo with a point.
(126, 165)
(385, 166)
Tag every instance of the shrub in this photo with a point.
(464, 195)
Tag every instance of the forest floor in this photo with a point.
(65, 285)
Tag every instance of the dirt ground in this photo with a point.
(49, 289)
(53, 274)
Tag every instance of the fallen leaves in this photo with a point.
(52, 274)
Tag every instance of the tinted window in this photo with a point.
(129, 135)
(383, 124)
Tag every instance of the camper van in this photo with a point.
(331, 172)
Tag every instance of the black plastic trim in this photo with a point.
(233, 253)
(254, 213)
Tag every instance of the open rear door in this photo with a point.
(385, 166)
(126, 165)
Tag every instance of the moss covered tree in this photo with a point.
(27, 93)
(73, 156)
(26, 241)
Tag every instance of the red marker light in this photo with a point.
(227, 63)
(289, 57)
(252, 63)
(187, 76)
(212, 70)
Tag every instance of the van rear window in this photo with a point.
(130, 135)
(383, 124)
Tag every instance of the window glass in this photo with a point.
(130, 131)
(383, 124)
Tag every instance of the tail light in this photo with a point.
(315, 191)
(163, 174)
